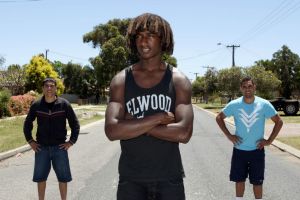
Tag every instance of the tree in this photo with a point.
(266, 81)
(2, 60)
(71, 73)
(229, 81)
(57, 66)
(198, 87)
(13, 79)
(170, 59)
(113, 55)
(36, 71)
(79, 80)
(88, 82)
(286, 66)
(210, 78)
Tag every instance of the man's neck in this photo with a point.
(248, 100)
(152, 66)
(50, 99)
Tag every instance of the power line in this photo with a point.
(253, 53)
(282, 11)
(199, 55)
(13, 1)
(65, 55)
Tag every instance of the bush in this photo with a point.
(19, 105)
(4, 99)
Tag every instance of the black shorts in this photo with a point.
(248, 163)
(172, 189)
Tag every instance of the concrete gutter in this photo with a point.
(13, 152)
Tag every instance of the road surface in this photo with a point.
(206, 160)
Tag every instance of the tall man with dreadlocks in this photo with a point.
(150, 112)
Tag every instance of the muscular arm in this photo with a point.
(181, 130)
(117, 125)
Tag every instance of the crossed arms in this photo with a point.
(174, 127)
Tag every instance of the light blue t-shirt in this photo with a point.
(249, 120)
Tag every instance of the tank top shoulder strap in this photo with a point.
(128, 74)
(169, 72)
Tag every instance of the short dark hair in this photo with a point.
(50, 79)
(247, 78)
(154, 24)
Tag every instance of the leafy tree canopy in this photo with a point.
(229, 81)
(14, 79)
(2, 60)
(266, 81)
(286, 66)
(36, 71)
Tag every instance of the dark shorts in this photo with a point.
(248, 163)
(157, 190)
(60, 162)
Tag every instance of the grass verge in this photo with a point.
(292, 141)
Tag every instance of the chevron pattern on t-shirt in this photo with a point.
(249, 119)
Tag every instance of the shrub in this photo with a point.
(19, 105)
(4, 99)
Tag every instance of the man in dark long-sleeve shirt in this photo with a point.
(50, 145)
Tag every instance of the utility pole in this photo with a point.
(233, 47)
(196, 74)
(46, 54)
(207, 67)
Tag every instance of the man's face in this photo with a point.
(148, 44)
(248, 89)
(49, 89)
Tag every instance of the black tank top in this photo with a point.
(146, 158)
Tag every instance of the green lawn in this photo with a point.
(11, 134)
(292, 141)
(11, 130)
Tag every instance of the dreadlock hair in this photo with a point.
(154, 24)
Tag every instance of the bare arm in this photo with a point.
(278, 125)
(220, 121)
(180, 130)
(118, 126)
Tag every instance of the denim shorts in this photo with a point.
(58, 158)
(248, 163)
(153, 190)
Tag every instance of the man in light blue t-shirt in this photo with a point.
(248, 158)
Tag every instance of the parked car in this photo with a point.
(288, 106)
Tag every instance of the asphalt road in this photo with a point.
(206, 160)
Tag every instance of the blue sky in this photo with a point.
(260, 27)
